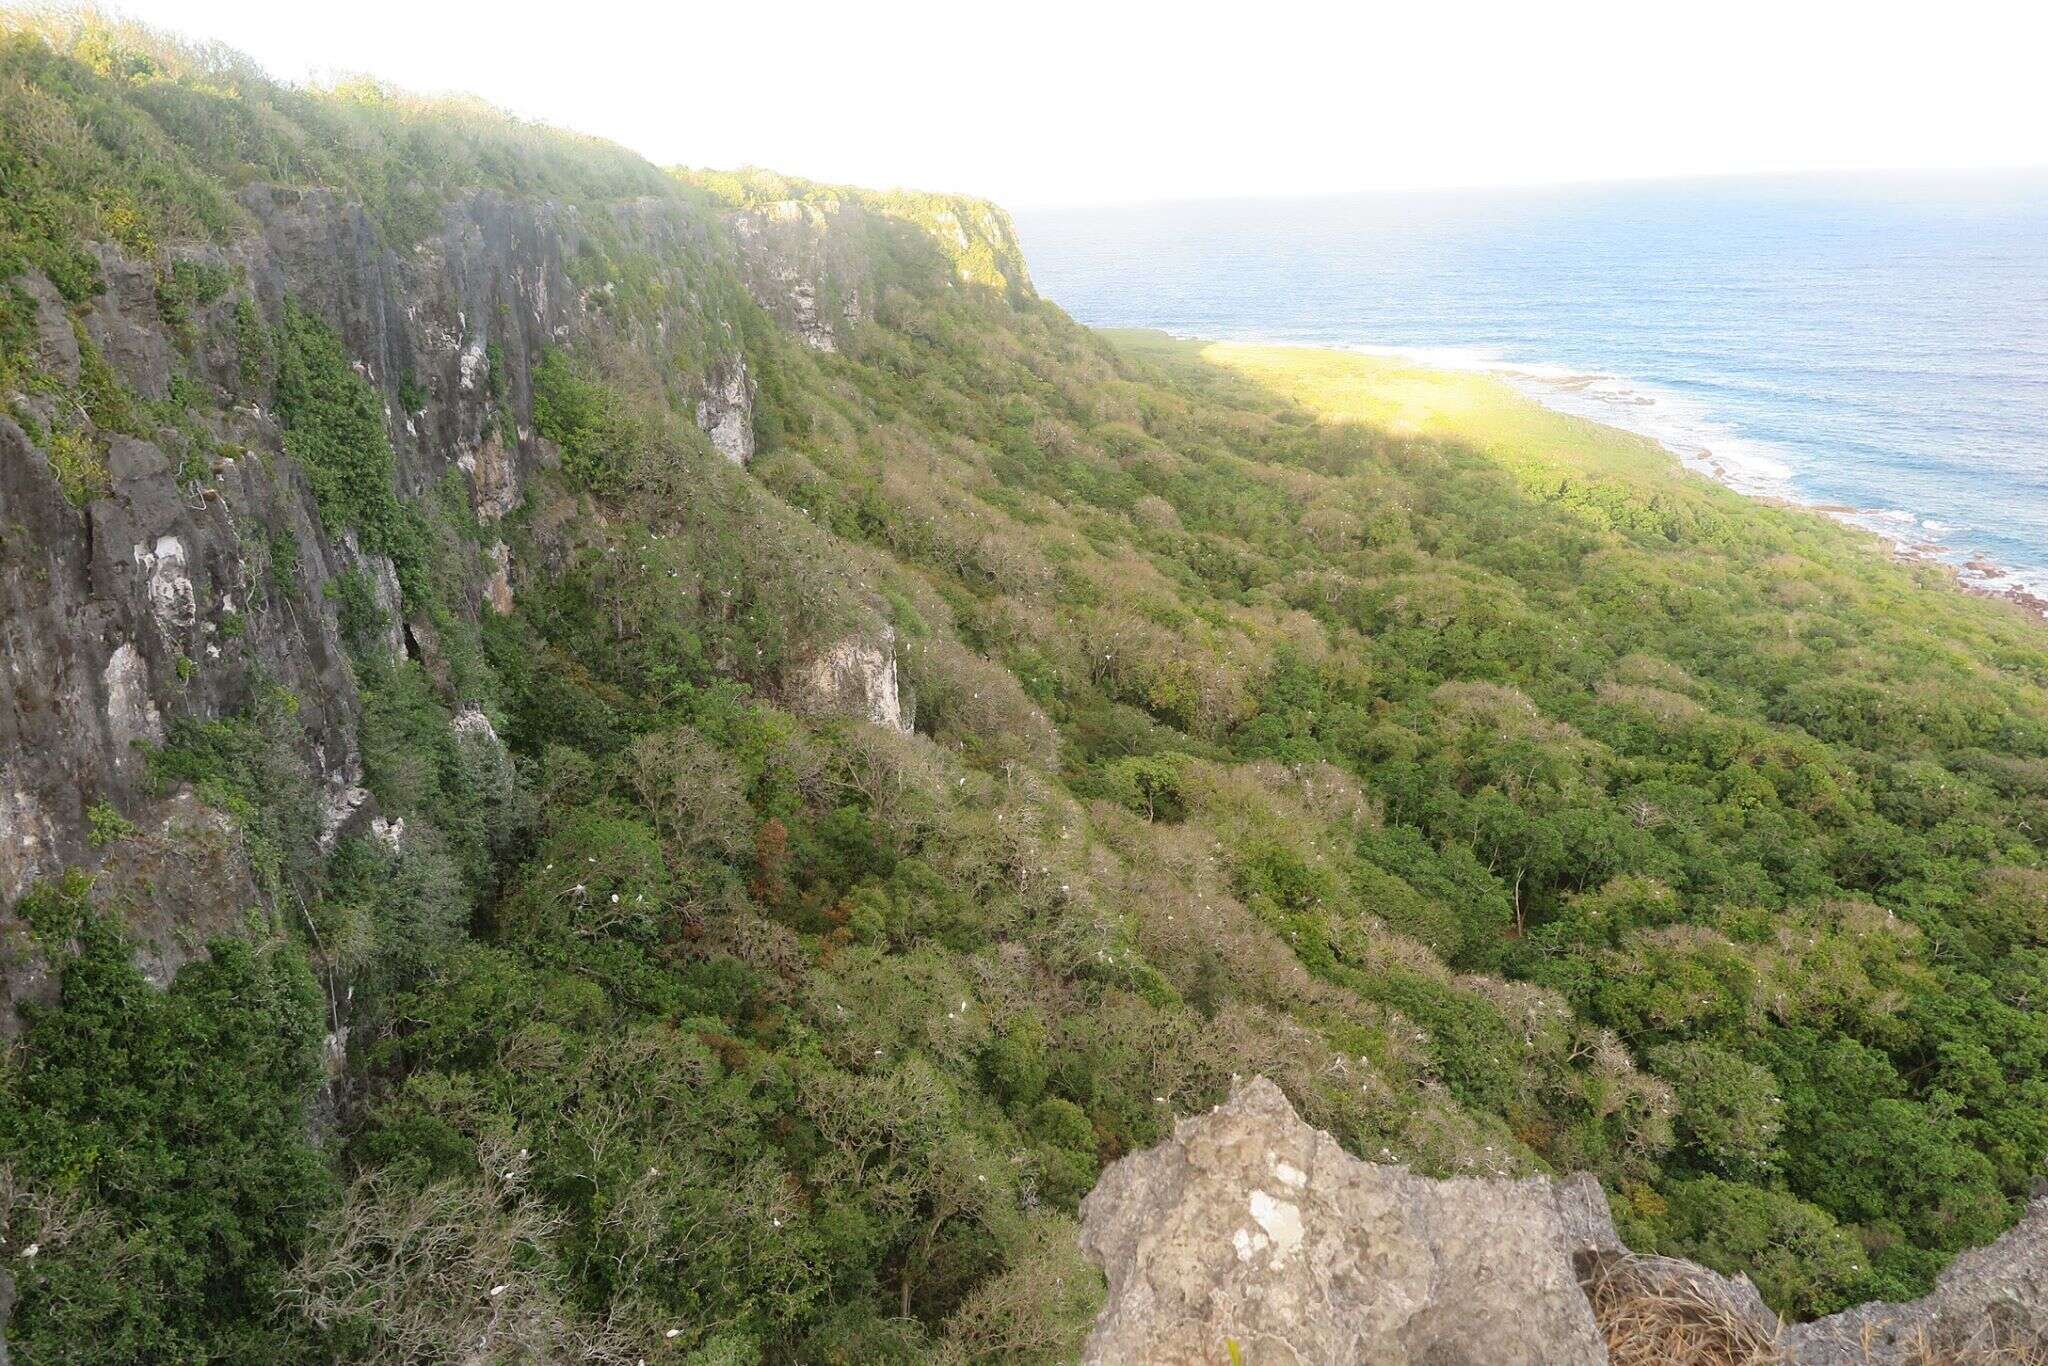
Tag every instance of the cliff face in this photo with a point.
(1250, 1236)
(201, 574)
(815, 257)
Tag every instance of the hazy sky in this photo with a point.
(1036, 103)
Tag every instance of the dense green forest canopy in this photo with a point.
(1516, 801)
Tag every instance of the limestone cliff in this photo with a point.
(814, 255)
(201, 573)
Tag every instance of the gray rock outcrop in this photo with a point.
(856, 677)
(1250, 1237)
(726, 411)
(1249, 1227)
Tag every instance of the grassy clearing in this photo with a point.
(1413, 400)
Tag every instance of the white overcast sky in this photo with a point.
(1037, 104)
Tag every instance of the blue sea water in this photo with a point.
(1875, 346)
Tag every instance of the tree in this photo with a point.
(1729, 1111)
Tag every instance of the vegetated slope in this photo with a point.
(743, 904)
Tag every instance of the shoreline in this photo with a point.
(1602, 398)
(1928, 554)
(1979, 575)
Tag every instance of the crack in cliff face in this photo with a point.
(1382, 1265)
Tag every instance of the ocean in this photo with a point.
(1875, 346)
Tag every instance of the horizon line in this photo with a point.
(2009, 170)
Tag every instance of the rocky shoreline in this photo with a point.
(1979, 576)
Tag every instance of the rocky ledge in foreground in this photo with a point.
(1249, 1236)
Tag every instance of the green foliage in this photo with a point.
(252, 346)
(19, 363)
(282, 568)
(1729, 1112)
(122, 134)
(1799, 1258)
(167, 1131)
(1149, 784)
(184, 286)
(334, 427)
(76, 462)
(105, 399)
(582, 417)
(361, 620)
(974, 238)
(249, 766)
(107, 824)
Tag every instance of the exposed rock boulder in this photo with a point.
(856, 677)
(471, 722)
(726, 412)
(1248, 1230)
(494, 480)
(498, 587)
(1249, 1227)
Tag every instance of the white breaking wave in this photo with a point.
(1687, 428)
(1680, 424)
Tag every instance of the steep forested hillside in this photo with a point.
(615, 765)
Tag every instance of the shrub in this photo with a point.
(581, 416)
(334, 427)
(1153, 785)
(107, 824)
(177, 1119)
(76, 463)
(1804, 1264)
(185, 285)
(1729, 1114)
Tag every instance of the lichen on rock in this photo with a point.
(1249, 1227)
(1250, 1236)
(856, 676)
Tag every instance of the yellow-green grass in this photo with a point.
(1399, 396)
